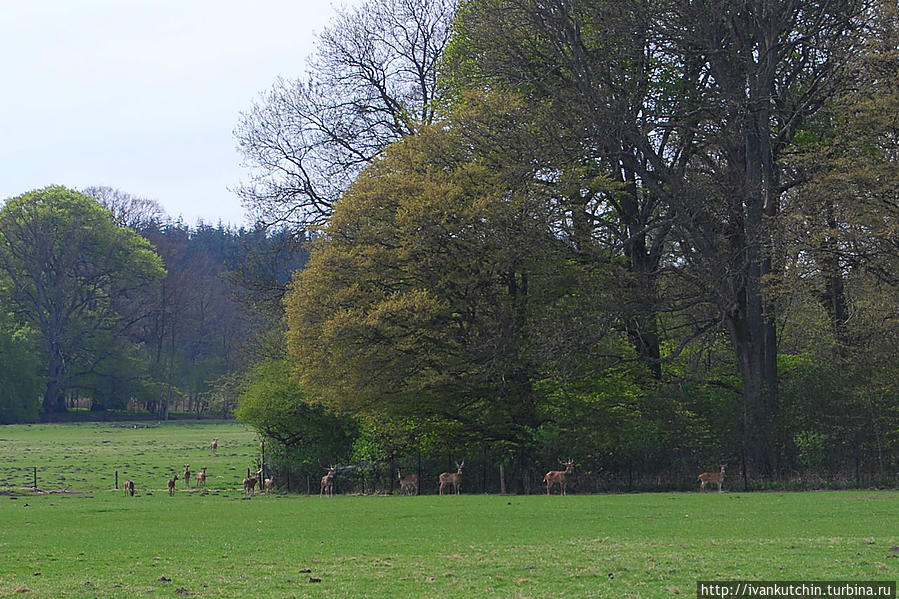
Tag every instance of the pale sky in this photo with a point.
(143, 95)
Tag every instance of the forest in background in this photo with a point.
(653, 239)
(173, 343)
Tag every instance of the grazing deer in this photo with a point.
(187, 475)
(408, 484)
(712, 477)
(249, 483)
(452, 478)
(328, 482)
(214, 446)
(559, 476)
(201, 478)
(172, 485)
(129, 487)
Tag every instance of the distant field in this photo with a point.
(103, 544)
(85, 456)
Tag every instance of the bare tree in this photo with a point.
(128, 210)
(371, 81)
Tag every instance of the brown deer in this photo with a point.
(172, 485)
(269, 484)
(249, 483)
(328, 481)
(214, 446)
(201, 478)
(559, 476)
(129, 487)
(452, 478)
(187, 475)
(712, 477)
(408, 484)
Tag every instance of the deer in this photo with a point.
(249, 483)
(214, 446)
(269, 484)
(172, 485)
(408, 484)
(452, 478)
(328, 481)
(201, 477)
(129, 487)
(187, 475)
(712, 477)
(559, 476)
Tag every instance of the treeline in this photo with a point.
(654, 237)
(110, 305)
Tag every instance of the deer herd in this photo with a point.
(409, 484)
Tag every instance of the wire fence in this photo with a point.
(483, 475)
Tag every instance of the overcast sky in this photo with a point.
(143, 95)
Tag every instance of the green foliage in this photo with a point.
(811, 449)
(275, 405)
(438, 290)
(20, 381)
(74, 274)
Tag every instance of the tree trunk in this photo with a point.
(54, 395)
(642, 324)
(751, 324)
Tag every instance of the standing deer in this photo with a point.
(712, 477)
(269, 484)
(201, 478)
(129, 487)
(559, 476)
(214, 446)
(408, 484)
(452, 478)
(172, 485)
(187, 475)
(328, 481)
(249, 483)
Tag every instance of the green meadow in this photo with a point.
(86, 456)
(96, 542)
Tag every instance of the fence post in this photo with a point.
(502, 480)
(116, 479)
(34, 486)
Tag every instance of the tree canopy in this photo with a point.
(677, 181)
(76, 276)
(436, 289)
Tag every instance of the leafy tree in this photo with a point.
(74, 274)
(276, 406)
(438, 290)
(698, 107)
(20, 380)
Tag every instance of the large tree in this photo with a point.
(439, 288)
(694, 104)
(372, 80)
(20, 367)
(76, 276)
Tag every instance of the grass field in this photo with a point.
(103, 544)
(86, 456)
